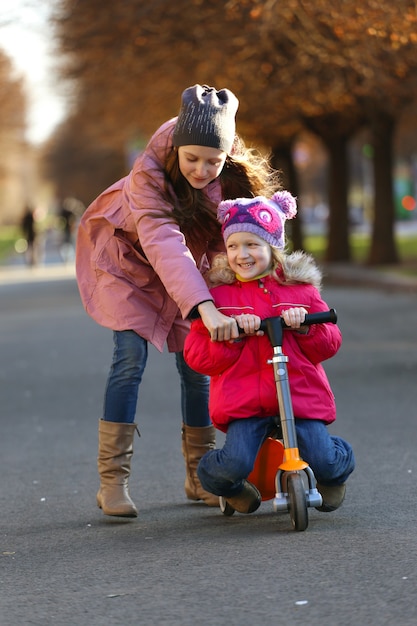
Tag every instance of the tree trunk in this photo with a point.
(383, 247)
(338, 248)
(283, 161)
(335, 132)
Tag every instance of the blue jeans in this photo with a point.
(223, 471)
(122, 389)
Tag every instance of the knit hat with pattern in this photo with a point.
(206, 118)
(261, 216)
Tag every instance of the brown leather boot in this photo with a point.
(115, 451)
(332, 497)
(248, 500)
(195, 443)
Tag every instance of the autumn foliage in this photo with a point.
(332, 68)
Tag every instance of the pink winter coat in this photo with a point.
(242, 382)
(134, 270)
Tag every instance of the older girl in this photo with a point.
(143, 247)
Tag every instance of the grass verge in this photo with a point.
(360, 244)
(8, 237)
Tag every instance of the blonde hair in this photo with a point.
(286, 269)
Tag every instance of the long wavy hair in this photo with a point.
(245, 174)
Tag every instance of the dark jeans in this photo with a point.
(122, 389)
(223, 471)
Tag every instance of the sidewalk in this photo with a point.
(10, 274)
(354, 275)
(348, 274)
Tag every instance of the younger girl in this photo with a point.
(257, 280)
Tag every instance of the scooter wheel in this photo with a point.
(225, 507)
(297, 501)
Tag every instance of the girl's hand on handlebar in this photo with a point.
(221, 327)
(249, 323)
(294, 318)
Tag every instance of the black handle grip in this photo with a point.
(273, 326)
(321, 318)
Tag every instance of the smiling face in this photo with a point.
(249, 256)
(200, 165)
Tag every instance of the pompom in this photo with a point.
(286, 203)
(223, 209)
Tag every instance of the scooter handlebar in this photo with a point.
(324, 317)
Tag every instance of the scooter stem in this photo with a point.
(292, 460)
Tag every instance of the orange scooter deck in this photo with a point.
(267, 463)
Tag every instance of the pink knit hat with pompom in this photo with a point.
(262, 216)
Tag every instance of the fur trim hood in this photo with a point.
(300, 267)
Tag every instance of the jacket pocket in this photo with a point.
(121, 258)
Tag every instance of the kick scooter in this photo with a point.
(279, 471)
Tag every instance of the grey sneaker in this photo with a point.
(333, 497)
(248, 500)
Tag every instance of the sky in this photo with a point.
(25, 37)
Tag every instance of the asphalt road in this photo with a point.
(62, 562)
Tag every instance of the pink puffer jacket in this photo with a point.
(242, 380)
(134, 270)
